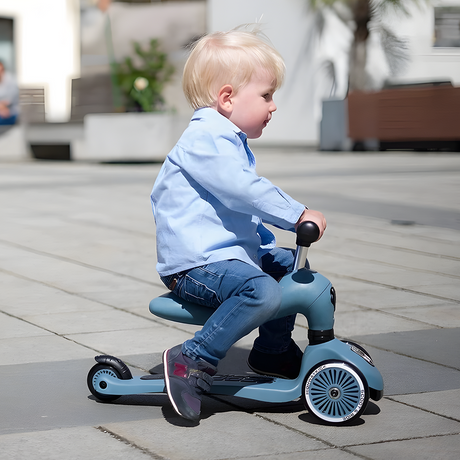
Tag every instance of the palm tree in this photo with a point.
(358, 15)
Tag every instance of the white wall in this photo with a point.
(47, 48)
(287, 24)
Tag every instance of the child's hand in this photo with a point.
(313, 216)
(4, 110)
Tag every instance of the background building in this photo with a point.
(48, 43)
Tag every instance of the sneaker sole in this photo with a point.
(258, 371)
(167, 382)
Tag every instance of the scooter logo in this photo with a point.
(358, 407)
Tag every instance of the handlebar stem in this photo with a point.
(300, 257)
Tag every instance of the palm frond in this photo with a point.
(396, 50)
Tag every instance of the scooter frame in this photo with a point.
(336, 379)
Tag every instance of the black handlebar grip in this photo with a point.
(307, 233)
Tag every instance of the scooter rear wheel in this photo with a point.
(94, 382)
(335, 391)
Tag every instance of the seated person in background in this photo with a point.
(9, 97)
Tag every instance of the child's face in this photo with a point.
(253, 105)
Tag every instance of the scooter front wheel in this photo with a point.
(94, 382)
(335, 391)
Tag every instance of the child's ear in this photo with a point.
(224, 100)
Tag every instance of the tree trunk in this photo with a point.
(358, 77)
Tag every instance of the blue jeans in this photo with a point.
(244, 298)
(8, 121)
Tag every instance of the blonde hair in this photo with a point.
(228, 58)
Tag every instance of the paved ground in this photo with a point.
(77, 271)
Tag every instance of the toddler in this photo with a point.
(209, 205)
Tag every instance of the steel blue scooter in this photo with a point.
(336, 379)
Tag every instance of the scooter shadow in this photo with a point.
(371, 409)
(213, 405)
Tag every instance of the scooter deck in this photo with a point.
(246, 379)
(260, 388)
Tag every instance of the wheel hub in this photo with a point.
(334, 393)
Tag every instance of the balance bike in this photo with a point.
(336, 379)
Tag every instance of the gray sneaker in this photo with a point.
(186, 380)
(285, 365)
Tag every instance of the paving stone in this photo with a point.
(128, 299)
(80, 443)
(439, 447)
(33, 349)
(100, 320)
(428, 345)
(220, 436)
(324, 454)
(64, 274)
(443, 315)
(131, 341)
(83, 275)
(380, 297)
(15, 328)
(360, 322)
(446, 403)
(403, 374)
(51, 395)
(22, 297)
(383, 422)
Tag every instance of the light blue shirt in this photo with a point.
(9, 92)
(209, 202)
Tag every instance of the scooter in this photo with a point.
(336, 379)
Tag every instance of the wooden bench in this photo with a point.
(418, 117)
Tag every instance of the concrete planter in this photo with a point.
(334, 126)
(130, 136)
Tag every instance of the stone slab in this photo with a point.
(431, 447)
(446, 403)
(434, 345)
(100, 320)
(14, 328)
(405, 375)
(33, 349)
(51, 395)
(128, 341)
(382, 422)
(76, 443)
(227, 435)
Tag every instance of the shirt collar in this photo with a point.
(213, 115)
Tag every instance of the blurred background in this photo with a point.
(361, 74)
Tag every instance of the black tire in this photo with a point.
(335, 391)
(93, 374)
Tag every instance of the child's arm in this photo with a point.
(219, 164)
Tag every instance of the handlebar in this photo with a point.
(307, 233)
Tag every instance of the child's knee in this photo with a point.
(268, 293)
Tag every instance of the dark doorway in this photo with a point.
(7, 44)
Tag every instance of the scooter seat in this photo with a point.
(170, 306)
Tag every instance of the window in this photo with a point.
(447, 27)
